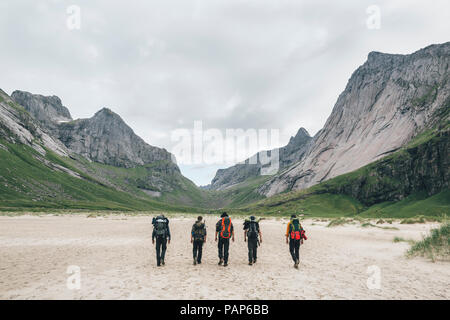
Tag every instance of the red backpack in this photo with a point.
(297, 232)
(226, 228)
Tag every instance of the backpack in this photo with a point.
(296, 229)
(161, 227)
(252, 232)
(226, 228)
(199, 231)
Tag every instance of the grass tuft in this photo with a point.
(436, 246)
(337, 222)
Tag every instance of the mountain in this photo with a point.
(103, 152)
(250, 168)
(104, 138)
(411, 181)
(383, 151)
(389, 100)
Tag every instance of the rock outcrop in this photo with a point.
(387, 101)
(18, 126)
(47, 110)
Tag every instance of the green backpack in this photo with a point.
(199, 231)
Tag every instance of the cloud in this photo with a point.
(233, 64)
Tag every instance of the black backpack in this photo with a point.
(252, 232)
(199, 231)
(161, 227)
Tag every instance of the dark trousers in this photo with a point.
(252, 249)
(198, 247)
(224, 245)
(294, 248)
(161, 246)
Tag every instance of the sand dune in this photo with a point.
(117, 261)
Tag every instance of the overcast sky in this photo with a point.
(163, 64)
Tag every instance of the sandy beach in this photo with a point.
(117, 261)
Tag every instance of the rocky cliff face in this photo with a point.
(288, 155)
(387, 101)
(107, 139)
(422, 167)
(47, 110)
(104, 138)
(17, 126)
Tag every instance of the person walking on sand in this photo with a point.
(251, 234)
(295, 234)
(198, 238)
(161, 232)
(225, 231)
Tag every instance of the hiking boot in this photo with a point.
(250, 263)
(220, 262)
(195, 262)
(163, 263)
(199, 262)
(296, 265)
(225, 264)
(254, 261)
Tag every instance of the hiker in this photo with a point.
(198, 237)
(296, 234)
(251, 232)
(224, 228)
(161, 232)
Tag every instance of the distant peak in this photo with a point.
(106, 112)
(302, 132)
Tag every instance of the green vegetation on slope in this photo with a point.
(29, 181)
(415, 204)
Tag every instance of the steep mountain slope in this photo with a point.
(238, 173)
(387, 101)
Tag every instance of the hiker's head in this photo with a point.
(199, 218)
(223, 215)
(293, 216)
(252, 218)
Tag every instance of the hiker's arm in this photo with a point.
(245, 236)
(232, 233)
(153, 236)
(260, 236)
(216, 236)
(287, 229)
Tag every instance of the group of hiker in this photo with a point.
(295, 234)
